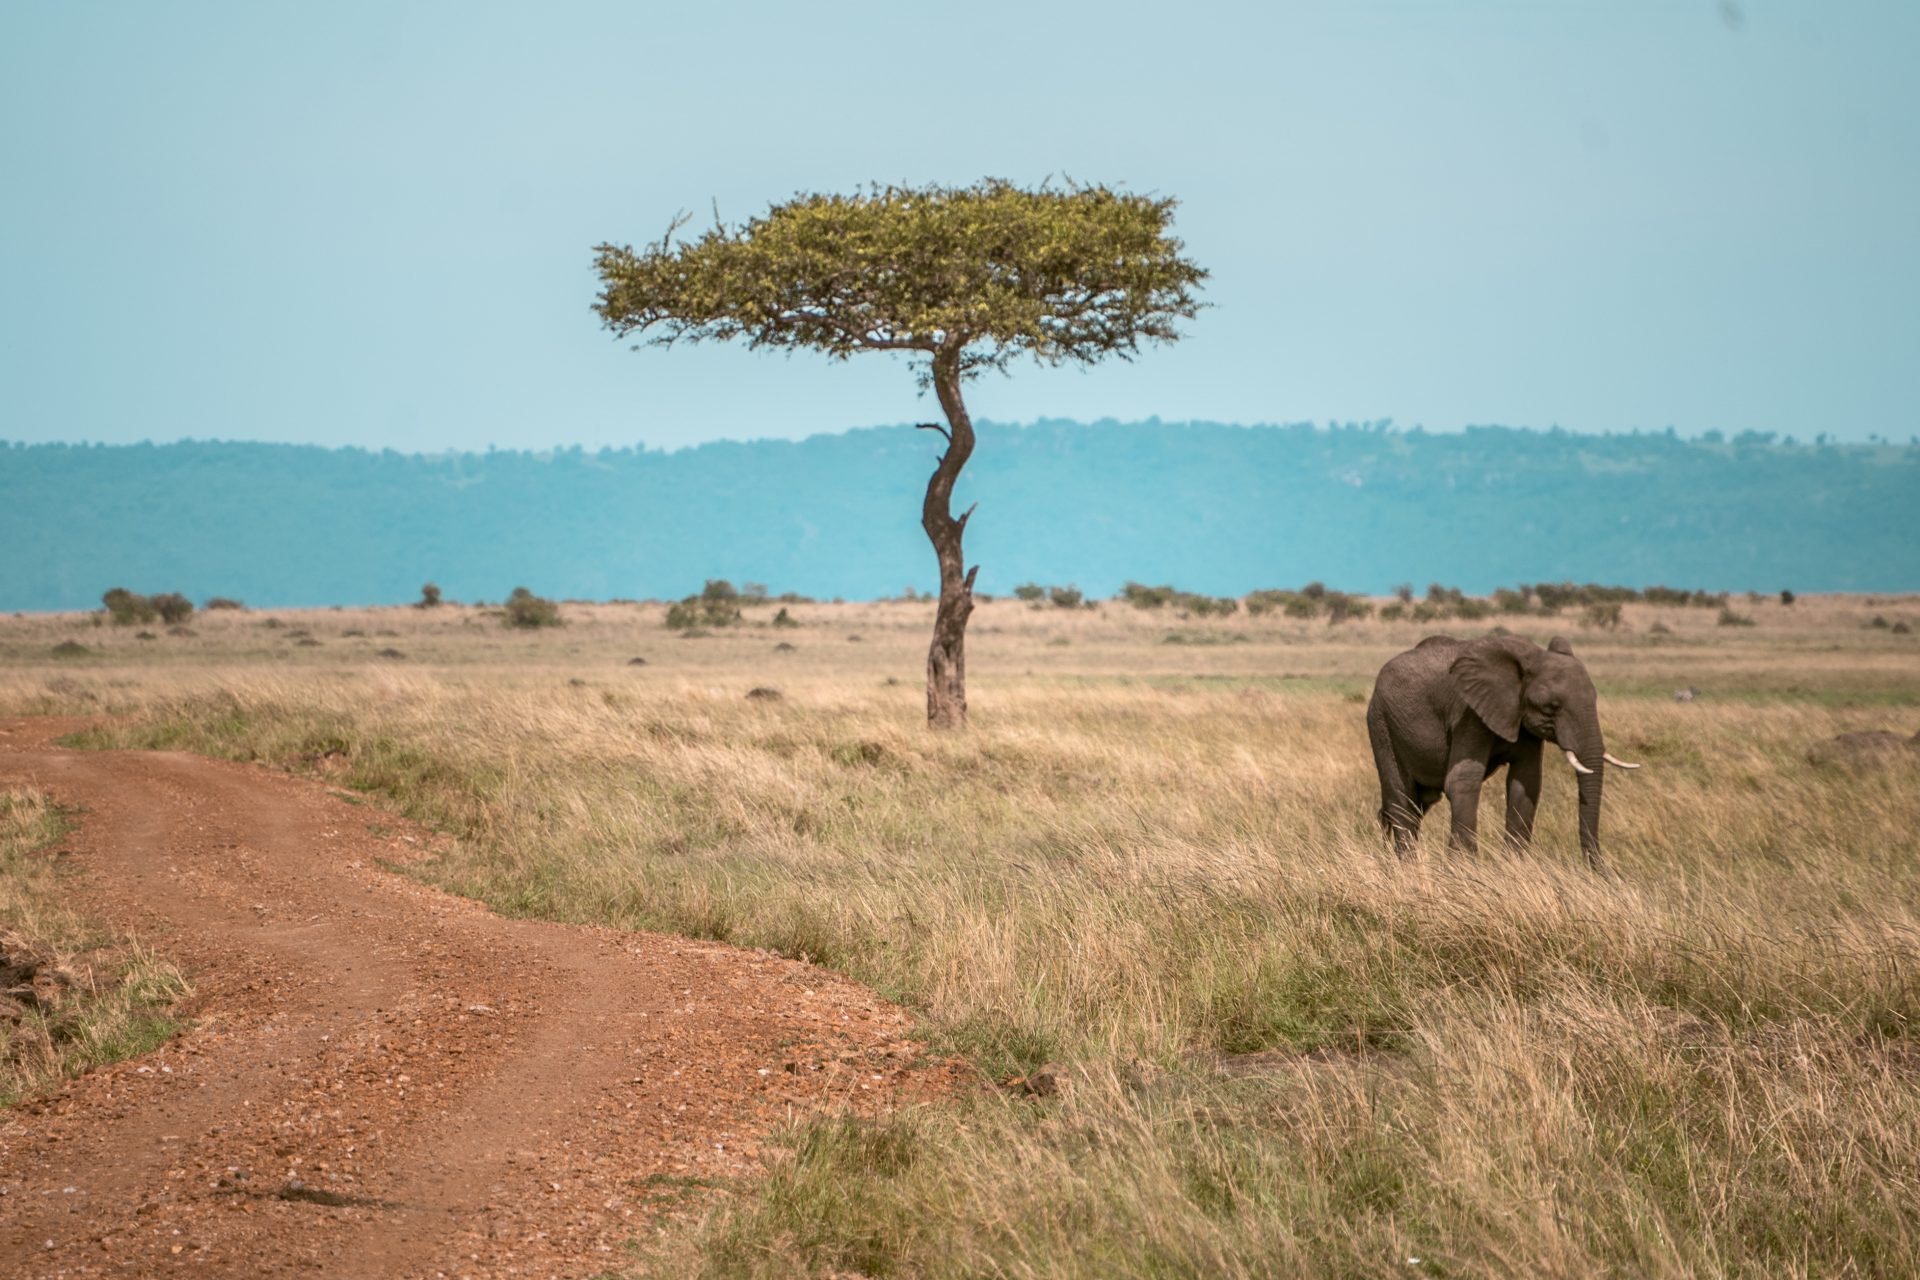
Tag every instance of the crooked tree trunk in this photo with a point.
(947, 656)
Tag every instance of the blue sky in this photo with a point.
(371, 223)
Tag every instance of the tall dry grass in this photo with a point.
(75, 995)
(1158, 863)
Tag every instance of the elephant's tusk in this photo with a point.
(1574, 760)
(1618, 764)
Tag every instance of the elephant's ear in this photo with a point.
(1489, 677)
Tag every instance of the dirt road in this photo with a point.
(383, 1080)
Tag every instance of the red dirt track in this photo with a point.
(383, 1080)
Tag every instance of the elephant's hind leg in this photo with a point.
(1400, 806)
(1523, 795)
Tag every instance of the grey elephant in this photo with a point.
(1449, 713)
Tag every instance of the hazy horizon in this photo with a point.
(989, 427)
(1205, 506)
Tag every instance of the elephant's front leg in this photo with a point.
(1463, 800)
(1523, 793)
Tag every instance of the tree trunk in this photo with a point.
(947, 657)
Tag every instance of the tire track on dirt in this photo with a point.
(384, 1080)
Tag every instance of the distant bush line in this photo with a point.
(719, 604)
(1600, 603)
(126, 608)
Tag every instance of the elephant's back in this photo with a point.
(1420, 665)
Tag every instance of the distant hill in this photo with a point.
(1207, 507)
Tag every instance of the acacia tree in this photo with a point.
(962, 279)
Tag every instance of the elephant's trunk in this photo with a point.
(1587, 752)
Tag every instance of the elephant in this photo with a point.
(1447, 713)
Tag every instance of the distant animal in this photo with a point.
(1447, 714)
(1687, 694)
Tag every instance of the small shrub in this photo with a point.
(1473, 610)
(1031, 592)
(1728, 618)
(1786, 597)
(126, 608)
(1314, 591)
(1141, 597)
(717, 605)
(172, 607)
(1879, 622)
(1404, 593)
(1341, 607)
(1660, 629)
(784, 619)
(429, 597)
(1301, 607)
(71, 649)
(1603, 615)
(525, 609)
(1554, 596)
(1260, 603)
(1901, 629)
(1067, 597)
(1208, 606)
(1507, 600)
(1393, 612)
(223, 602)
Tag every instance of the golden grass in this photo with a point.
(77, 996)
(1152, 860)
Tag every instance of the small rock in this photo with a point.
(1141, 1075)
(765, 693)
(1050, 1081)
(389, 653)
(636, 662)
(783, 647)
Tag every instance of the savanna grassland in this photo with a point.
(1154, 858)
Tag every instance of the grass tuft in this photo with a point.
(74, 998)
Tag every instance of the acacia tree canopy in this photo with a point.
(989, 271)
(966, 278)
